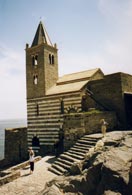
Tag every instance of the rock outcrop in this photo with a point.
(106, 170)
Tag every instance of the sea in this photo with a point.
(8, 123)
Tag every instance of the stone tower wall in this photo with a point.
(50, 70)
(47, 73)
(31, 70)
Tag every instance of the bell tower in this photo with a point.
(41, 64)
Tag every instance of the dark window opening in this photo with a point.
(35, 141)
(37, 108)
(62, 106)
(35, 79)
(35, 60)
(52, 59)
(84, 103)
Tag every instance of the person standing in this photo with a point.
(31, 159)
(103, 127)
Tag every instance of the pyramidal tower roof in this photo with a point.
(41, 36)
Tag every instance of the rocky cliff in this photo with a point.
(106, 170)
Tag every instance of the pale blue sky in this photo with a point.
(89, 34)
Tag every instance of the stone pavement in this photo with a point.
(30, 184)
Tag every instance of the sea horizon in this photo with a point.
(3, 119)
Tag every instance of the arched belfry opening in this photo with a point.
(51, 59)
(35, 60)
(35, 79)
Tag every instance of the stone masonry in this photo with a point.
(15, 146)
(50, 97)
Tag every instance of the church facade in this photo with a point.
(50, 97)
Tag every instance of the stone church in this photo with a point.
(50, 97)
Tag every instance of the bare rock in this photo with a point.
(76, 169)
(107, 170)
(52, 190)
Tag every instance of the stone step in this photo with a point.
(93, 140)
(59, 168)
(81, 154)
(69, 158)
(93, 136)
(61, 164)
(96, 136)
(55, 171)
(74, 155)
(79, 149)
(64, 161)
(87, 142)
(82, 146)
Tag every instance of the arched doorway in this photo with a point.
(35, 144)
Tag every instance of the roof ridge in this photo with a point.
(81, 71)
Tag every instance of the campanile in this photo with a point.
(41, 64)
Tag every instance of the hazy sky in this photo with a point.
(89, 34)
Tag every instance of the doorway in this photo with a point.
(128, 108)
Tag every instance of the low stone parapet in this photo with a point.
(9, 177)
(13, 172)
(24, 164)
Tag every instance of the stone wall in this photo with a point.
(110, 92)
(46, 124)
(92, 121)
(77, 125)
(126, 82)
(15, 146)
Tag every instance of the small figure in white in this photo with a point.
(31, 159)
(104, 125)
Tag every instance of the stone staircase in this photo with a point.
(74, 154)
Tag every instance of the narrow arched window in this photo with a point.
(37, 109)
(36, 60)
(35, 79)
(62, 106)
(52, 59)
